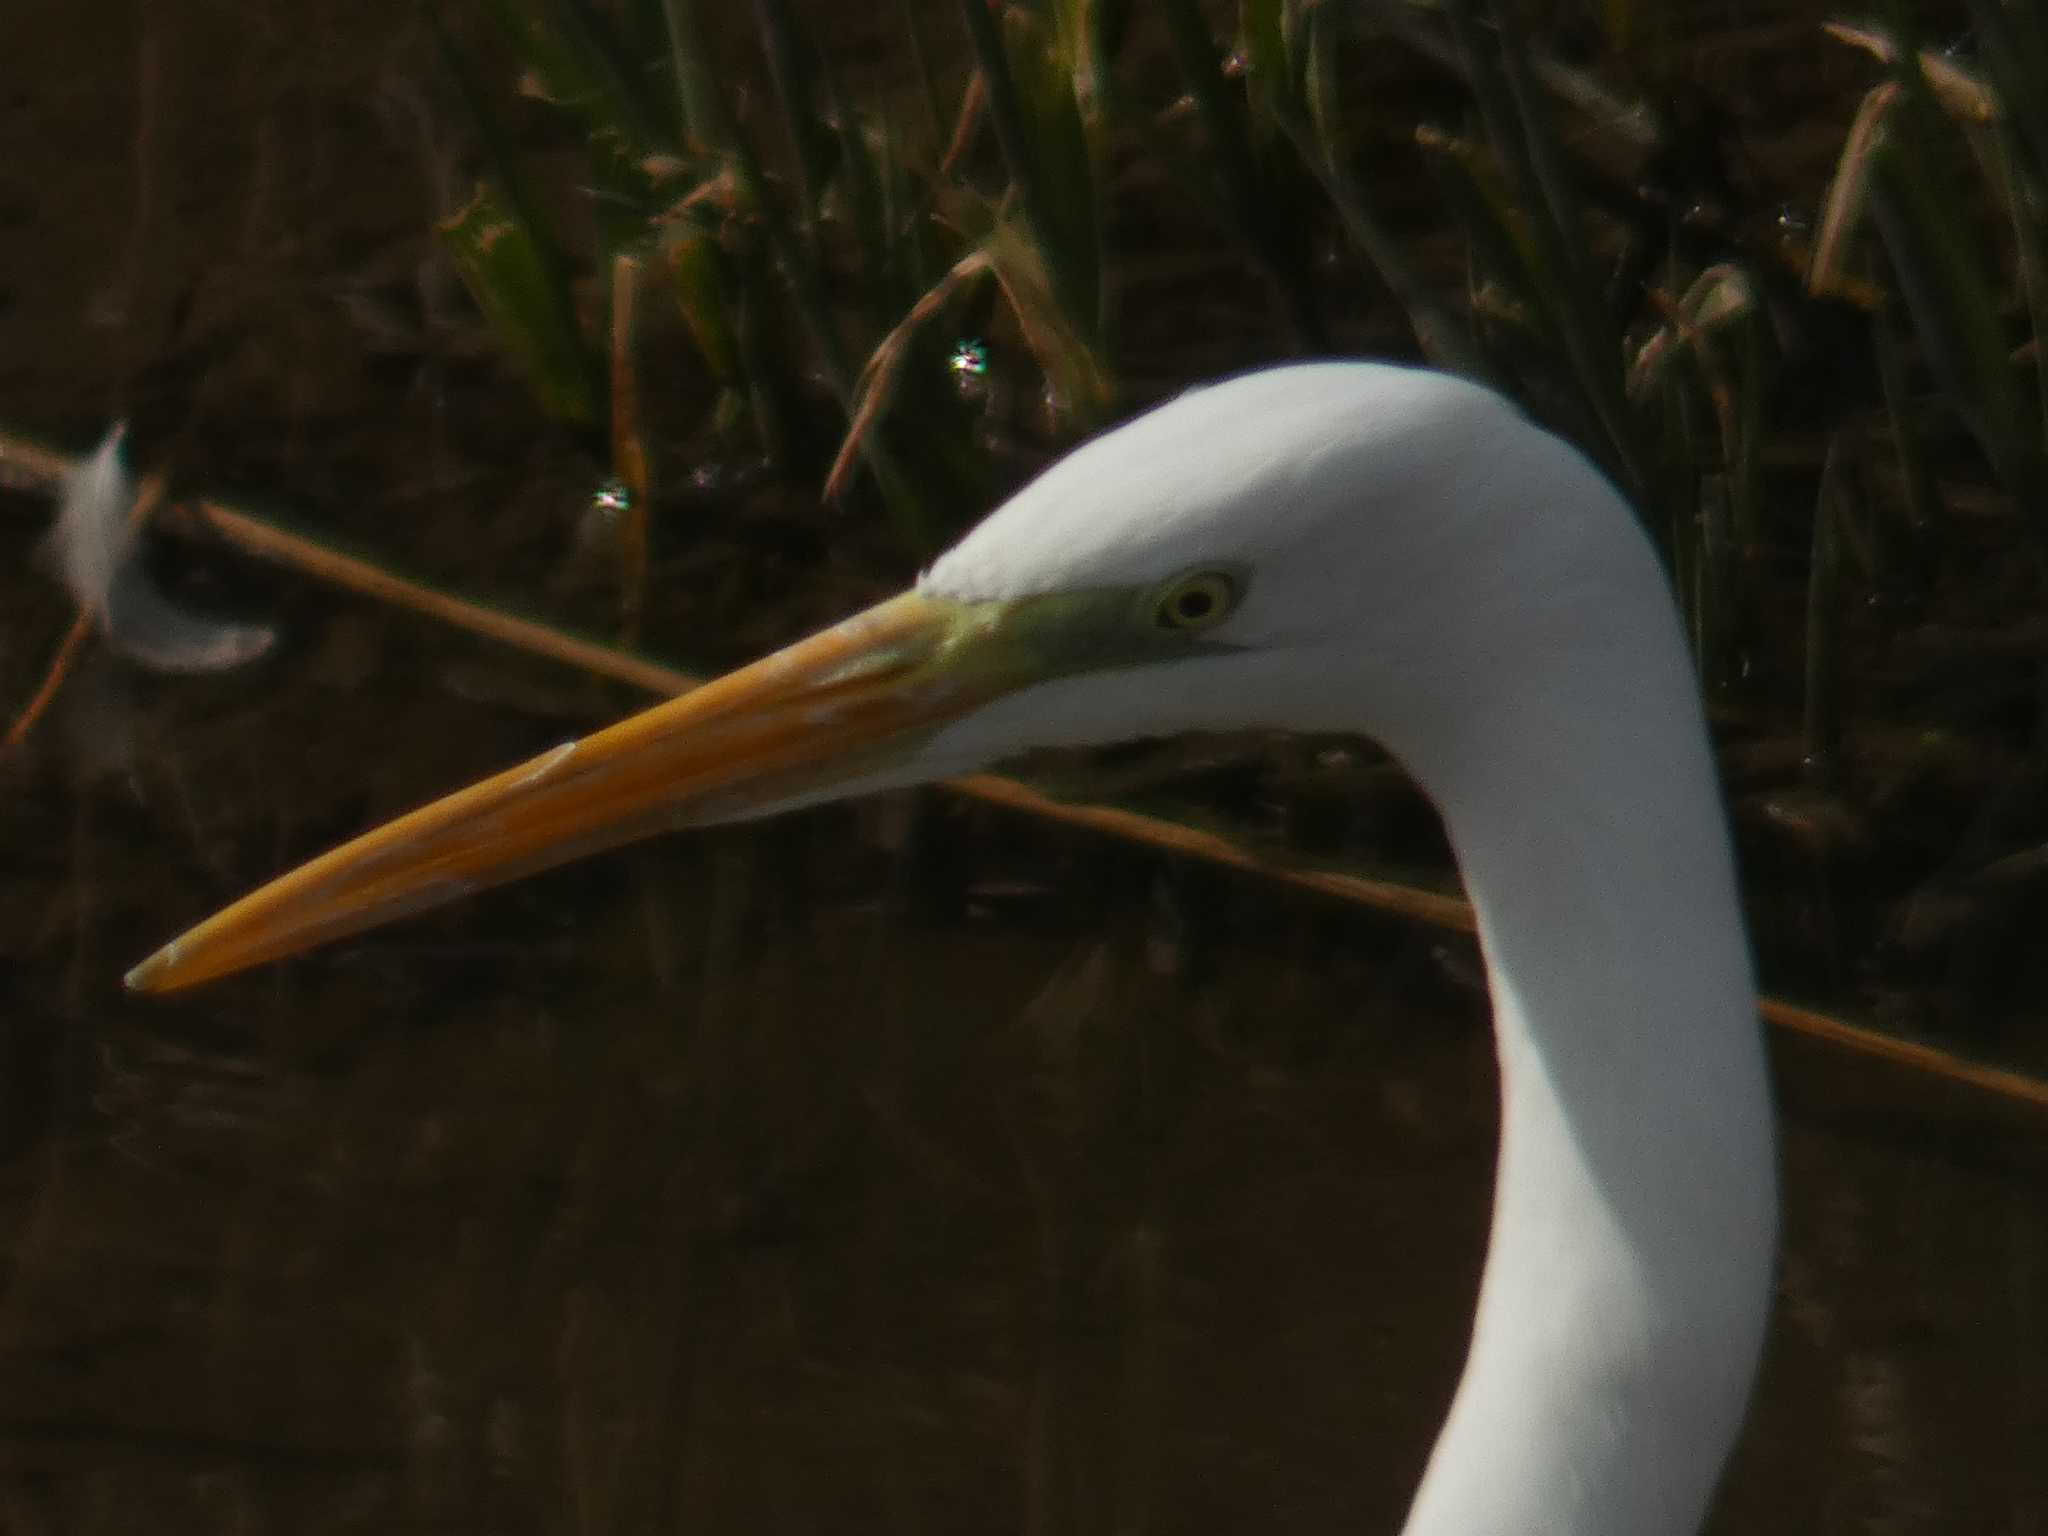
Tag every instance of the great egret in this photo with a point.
(1325, 547)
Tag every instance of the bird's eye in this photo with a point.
(1197, 600)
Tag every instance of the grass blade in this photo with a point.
(1063, 350)
(1955, 309)
(1848, 195)
(1914, 473)
(1251, 216)
(707, 123)
(879, 379)
(1049, 82)
(1445, 340)
(697, 271)
(921, 67)
(630, 460)
(1961, 91)
(1006, 112)
(525, 301)
(1553, 237)
(1823, 602)
(794, 78)
(577, 62)
(2015, 48)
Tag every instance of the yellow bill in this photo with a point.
(834, 709)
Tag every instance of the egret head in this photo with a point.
(1275, 551)
(1337, 546)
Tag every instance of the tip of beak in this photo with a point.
(154, 973)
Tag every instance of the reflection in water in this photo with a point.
(766, 1178)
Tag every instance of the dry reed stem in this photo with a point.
(1066, 358)
(965, 126)
(1680, 327)
(1960, 92)
(267, 541)
(29, 466)
(53, 679)
(255, 537)
(1848, 192)
(876, 386)
(1911, 1054)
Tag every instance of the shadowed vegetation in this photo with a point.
(1820, 382)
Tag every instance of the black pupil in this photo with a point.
(1196, 604)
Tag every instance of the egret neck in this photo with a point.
(1628, 1275)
